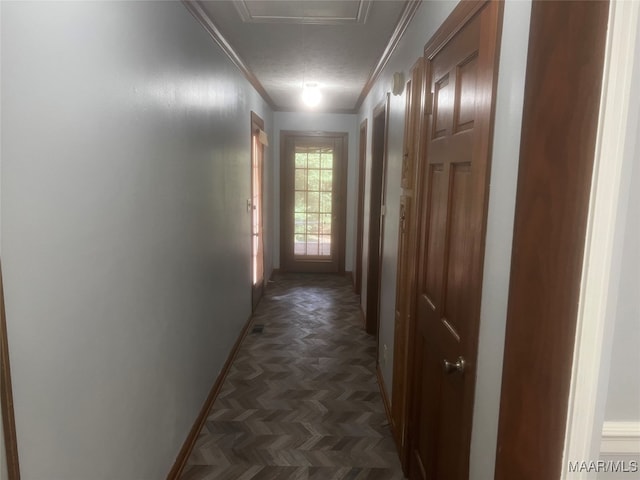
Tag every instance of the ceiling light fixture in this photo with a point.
(311, 95)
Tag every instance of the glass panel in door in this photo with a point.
(313, 201)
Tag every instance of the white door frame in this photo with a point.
(602, 258)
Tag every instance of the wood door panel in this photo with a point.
(435, 243)
(459, 257)
(450, 426)
(465, 105)
(424, 446)
(443, 95)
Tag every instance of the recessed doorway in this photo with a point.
(313, 193)
(376, 214)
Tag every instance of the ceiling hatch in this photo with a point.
(308, 11)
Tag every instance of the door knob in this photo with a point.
(457, 367)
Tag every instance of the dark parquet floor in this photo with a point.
(301, 399)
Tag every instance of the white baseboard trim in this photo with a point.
(620, 438)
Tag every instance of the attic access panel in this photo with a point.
(319, 12)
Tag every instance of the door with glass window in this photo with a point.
(313, 193)
(258, 141)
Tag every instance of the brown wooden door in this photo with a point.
(460, 62)
(376, 214)
(362, 164)
(313, 192)
(257, 240)
(405, 288)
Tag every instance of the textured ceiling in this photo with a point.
(285, 44)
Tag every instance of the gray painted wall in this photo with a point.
(500, 216)
(125, 234)
(321, 122)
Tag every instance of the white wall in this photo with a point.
(320, 122)
(506, 148)
(125, 234)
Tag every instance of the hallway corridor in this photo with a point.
(301, 399)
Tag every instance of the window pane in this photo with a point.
(327, 160)
(325, 244)
(313, 180)
(312, 222)
(300, 225)
(314, 160)
(325, 202)
(301, 160)
(313, 202)
(300, 202)
(299, 245)
(312, 247)
(301, 179)
(326, 181)
(326, 224)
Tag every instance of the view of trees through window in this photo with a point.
(313, 201)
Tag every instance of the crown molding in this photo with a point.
(194, 7)
(403, 22)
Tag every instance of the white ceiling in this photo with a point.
(283, 44)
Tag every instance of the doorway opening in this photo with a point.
(376, 214)
(362, 164)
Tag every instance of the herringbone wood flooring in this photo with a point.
(301, 400)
